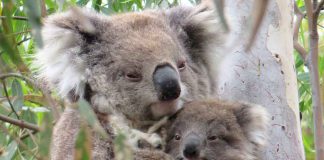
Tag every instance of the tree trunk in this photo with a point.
(266, 74)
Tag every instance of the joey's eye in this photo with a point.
(133, 76)
(177, 137)
(182, 65)
(212, 138)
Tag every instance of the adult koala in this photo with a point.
(137, 67)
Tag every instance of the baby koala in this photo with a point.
(217, 130)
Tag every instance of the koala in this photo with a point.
(217, 130)
(132, 68)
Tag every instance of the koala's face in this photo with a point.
(144, 65)
(217, 131)
(142, 68)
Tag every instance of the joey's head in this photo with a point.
(143, 65)
(213, 130)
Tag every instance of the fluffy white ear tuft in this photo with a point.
(254, 120)
(59, 62)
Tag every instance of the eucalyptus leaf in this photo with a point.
(18, 94)
(9, 151)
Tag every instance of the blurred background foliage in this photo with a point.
(23, 99)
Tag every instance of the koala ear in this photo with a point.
(254, 121)
(201, 32)
(59, 60)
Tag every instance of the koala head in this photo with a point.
(214, 130)
(143, 65)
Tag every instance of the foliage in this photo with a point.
(23, 98)
(304, 89)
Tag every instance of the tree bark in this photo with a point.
(266, 73)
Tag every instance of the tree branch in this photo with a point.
(319, 7)
(8, 99)
(301, 50)
(315, 83)
(16, 18)
(20, 123)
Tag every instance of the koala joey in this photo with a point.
(216, 130)
(133, 68)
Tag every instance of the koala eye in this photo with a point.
(177, 137)
(212, 138)
(133, 76)
(182, 65)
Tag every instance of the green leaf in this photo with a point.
(82, 2)
(9, 151)
(28, 116)
(304, 77)
(83, 144)
(44, 137)
(90, 117)
(122, 150)
(96, 4)
(18, 94)
(34, 18)
(107, 10)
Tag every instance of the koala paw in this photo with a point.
(151, 141)
(155, 140)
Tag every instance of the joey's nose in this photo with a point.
(166, 82)
(191, 149)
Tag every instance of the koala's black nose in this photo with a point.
(166, 82)
(191, 150)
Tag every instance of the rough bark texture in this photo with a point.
(266, 75)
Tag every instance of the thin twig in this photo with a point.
(22, 41)
(315, 83)
(17, 33)
(17, 75)
(54, 105)
(27, 135)
(16, 18)
(43, 8)
(301, 50)
(8, 99)
(19, 123)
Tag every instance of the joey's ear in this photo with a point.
(59, 61)
(254, 120)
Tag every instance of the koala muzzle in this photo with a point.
(192, 147)
(167, 83)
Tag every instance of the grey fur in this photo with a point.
(221, 130)
(88, 55)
